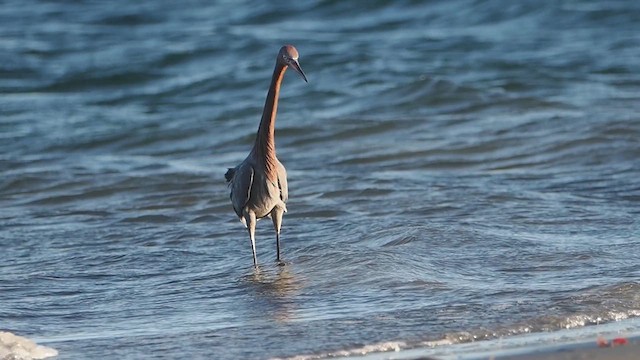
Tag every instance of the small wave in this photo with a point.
(544, 324)
(460, 337)
(599, 305)
(363, 350)
(148, 219)
(129, 19)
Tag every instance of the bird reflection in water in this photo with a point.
(275, 291)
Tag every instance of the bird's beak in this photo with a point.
(296, 66)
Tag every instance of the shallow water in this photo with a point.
(458, 170)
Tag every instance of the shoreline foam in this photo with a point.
(20, 348)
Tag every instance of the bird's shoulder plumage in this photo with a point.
(282, 182)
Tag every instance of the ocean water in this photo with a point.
(458, 171)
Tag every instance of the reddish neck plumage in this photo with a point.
(264, 149)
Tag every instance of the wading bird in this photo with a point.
(259, 184)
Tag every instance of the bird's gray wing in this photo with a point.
(282, 182)
(241, 187)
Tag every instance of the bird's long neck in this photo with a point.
(264, 149)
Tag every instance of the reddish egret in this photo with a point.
(259, 184)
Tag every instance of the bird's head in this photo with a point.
(288, 56)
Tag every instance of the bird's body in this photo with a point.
(259, 184)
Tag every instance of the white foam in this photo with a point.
(14, 347)
(364, 350)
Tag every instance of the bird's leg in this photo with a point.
(250, 219)
(276, 216)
